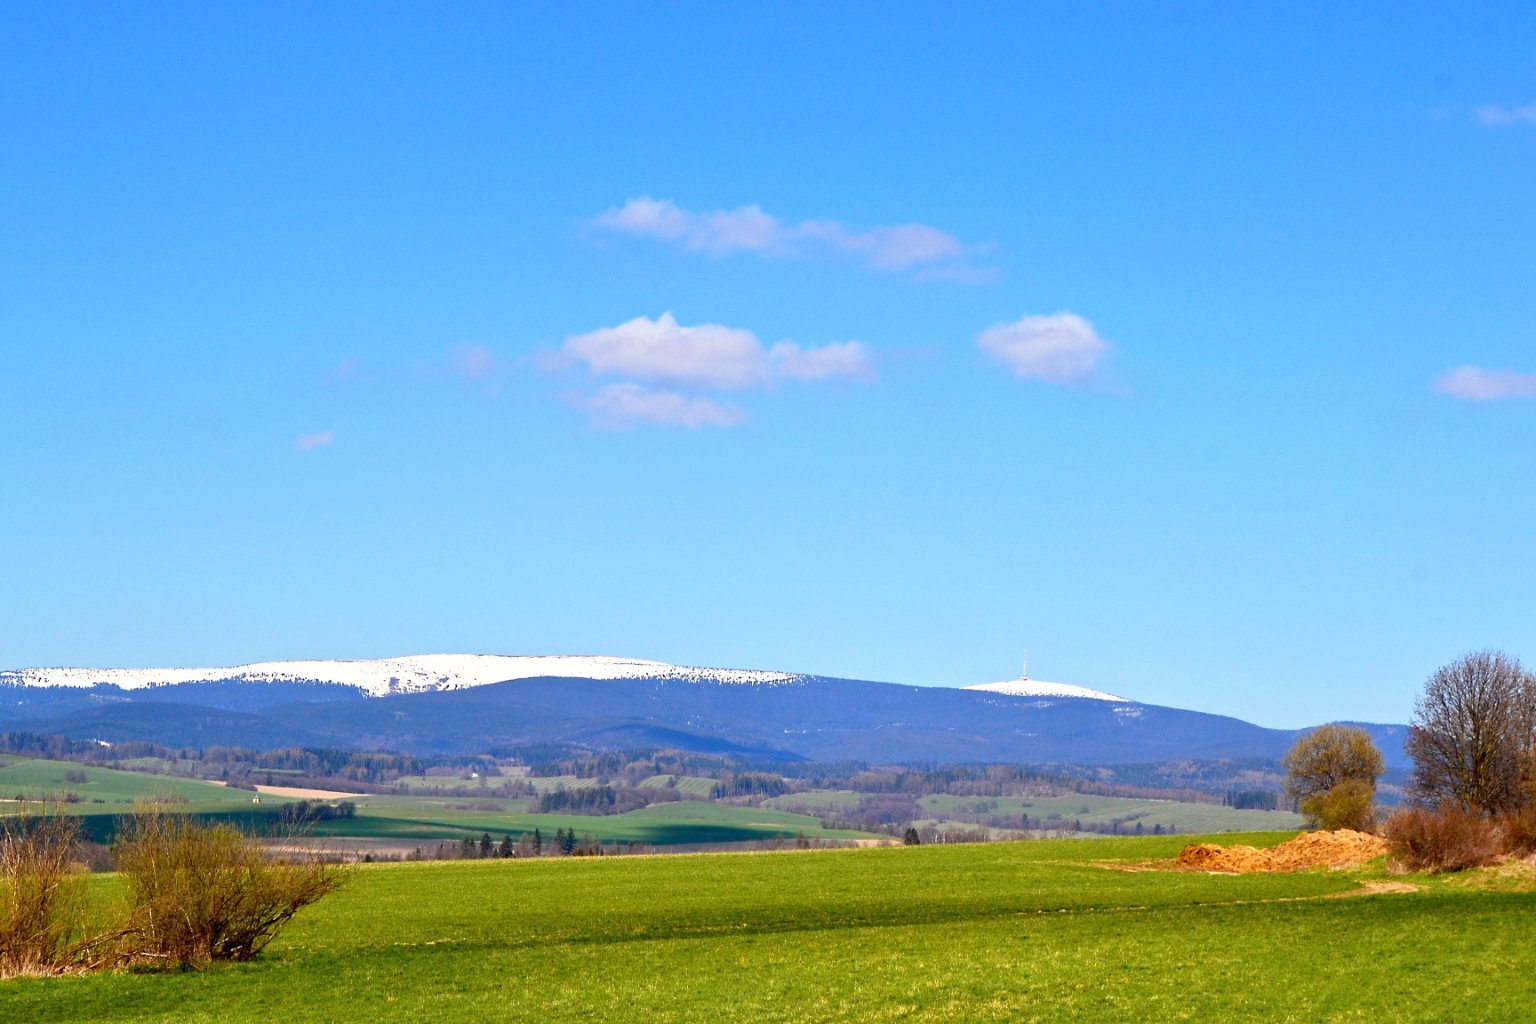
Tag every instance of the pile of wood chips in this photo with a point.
(1341, 849)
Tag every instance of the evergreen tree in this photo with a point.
(505, 849)
(485, 844)
(911, 838)
(538, 842)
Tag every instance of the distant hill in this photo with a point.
(468, 703)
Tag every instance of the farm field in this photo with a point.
(35, 777)
(687, 822)
(106, 794)
(1040, 931)
(1066, 810)
(1102, 810)
(689, 785)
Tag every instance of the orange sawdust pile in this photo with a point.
(1341, 849)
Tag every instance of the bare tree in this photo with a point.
(1472, 731)
(1331, 773)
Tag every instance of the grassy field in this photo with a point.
(1042, 931)
(689, 785)
(1073, 807)
(35, 777)
(689, 822)
(106, 794)
(1102, 810)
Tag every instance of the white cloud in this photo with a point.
(322, 439)
(1062, 348)
(473, 362)
(1474, 384)
(839, 359)
(708, 355)
(625, 404)
(927, 251)
(704, 358)
(1495, 116)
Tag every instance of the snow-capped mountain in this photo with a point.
(382, 677)
(455, 703)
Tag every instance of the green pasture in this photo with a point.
(1073, 807)
(829, 802)
(467, 786)
(107, 794)
(1101, 810)
(1045, 931)
(49, 780)
(687, 822)
(689, 785)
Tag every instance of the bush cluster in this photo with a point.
(1446, 839)
(197, 893)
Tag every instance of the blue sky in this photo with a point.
(1191, 349)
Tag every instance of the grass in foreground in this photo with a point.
(1038, 931)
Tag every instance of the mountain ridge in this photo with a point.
(453, 704)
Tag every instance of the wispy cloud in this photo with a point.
(1062, 348)
(1495, 116)
(839, 359)
(473, 362)
(307, 442)
(688, 363)
(345, 370)
(626, 404)
(918, 249)
(1474, 384)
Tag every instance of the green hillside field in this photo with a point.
(37, 778)
(107, 794)
(1065, 810)
(1043, 931)
(688, 822)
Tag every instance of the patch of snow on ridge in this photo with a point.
(1040, 688)
(423, 673)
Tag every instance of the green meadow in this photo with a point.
(1030, 931)
(103, 795)
(34, 777)
(1064, 811)
(690, 822)
(1102, 810)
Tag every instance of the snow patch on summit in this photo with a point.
(1026, 687)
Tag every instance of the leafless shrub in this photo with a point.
(1447, 839)
(1517, 831)
(43, 920)
(201, 892)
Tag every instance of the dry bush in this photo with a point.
(1517, 831)
(1447, 839)
(43, 927)
(210, 892)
